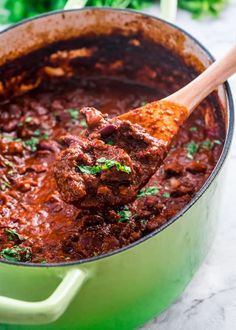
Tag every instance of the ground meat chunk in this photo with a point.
(109, 164)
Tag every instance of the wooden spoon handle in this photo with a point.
(217, 73)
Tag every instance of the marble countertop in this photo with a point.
(209, 301)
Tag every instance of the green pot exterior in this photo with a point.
(126, 289)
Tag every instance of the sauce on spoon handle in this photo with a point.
(163, 118)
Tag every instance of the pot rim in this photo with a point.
(206, 185)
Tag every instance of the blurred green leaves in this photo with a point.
(200, 8)
(134, 4)
(12, 11)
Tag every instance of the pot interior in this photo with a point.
(93, 48)
(100, 42)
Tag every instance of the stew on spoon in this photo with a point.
(109, 164)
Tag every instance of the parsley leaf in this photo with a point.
(83, 123)
(28, 119)
(32, 143)
(110, 142)
(193, 129)
(17, 253)
(13, 235)
(143, 221)
(208, 144)
(142, 104)
(74, 114)
(45, 136)
(102, 165)
(192, 148)
(148, 191)
(109, 163)
(4, 185)
(90, 169)
(166, 194)
(124, 214)
(9, 164)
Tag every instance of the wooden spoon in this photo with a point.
(163, 118)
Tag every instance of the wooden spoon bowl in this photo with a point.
(163, 118)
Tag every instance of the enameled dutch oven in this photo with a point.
(126, 288)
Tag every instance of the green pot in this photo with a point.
(126, 288)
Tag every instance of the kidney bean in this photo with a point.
(196, 167)
(24, 186)
(10, 126)
(108, 130)
(15, 148)
(52, 146)
(173, 169)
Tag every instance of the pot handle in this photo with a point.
(14, 311)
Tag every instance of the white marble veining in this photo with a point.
(209, 302)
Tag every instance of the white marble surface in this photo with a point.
(209, 302)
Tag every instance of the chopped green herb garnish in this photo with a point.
(208, 144)
(8, 163)
(28, 119)
(43, 261)
(16, 253)
(193, 129)
(102, 160)
(143, 103)
(166, 194)
(37, 132)
(32, 143)
(102, 165)
(45, 136)
(4, 186)
(7, 137)
(110, 142)
(192, 148)
(83, 123)
(148, 191)
(109, 163)
(143, 221)
(124, 214)
(74, 114)
(10, 166)
(13, 235)
(90, 169)
(34, 140)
